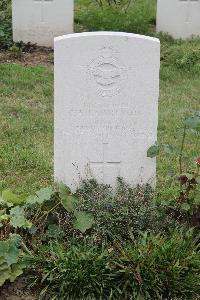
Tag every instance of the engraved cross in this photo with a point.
(106, 163)
(189, 2)
(42, 7)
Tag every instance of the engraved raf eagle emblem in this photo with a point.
(107, 73)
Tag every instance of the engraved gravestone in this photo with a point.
(179, 18)
(39, 21)
(106, 107)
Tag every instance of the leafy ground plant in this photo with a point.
(186, 203)
(12, 250)
(180, 54)
(123, 214)
(16, 211)
(94, 210)
(42, 214)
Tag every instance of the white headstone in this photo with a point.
(39, 21)
(179, 18)
(106, 107)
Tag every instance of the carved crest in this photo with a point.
(108, 73)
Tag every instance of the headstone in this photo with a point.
(39, 21)
(179, 18)
(106, 107)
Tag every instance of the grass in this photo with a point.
(26, 114)
(26, 127)
(138, 18)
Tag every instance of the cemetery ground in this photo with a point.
(138, 244)
(27, 115)
(26, 133)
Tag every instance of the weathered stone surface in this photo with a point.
(106, 107)
(39, 21)
(179, 18)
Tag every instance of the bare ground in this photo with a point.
(16, 291)
(37, 56)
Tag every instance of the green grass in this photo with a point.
(26, 114)
(26, 127)
(138, 18)
(179, 97)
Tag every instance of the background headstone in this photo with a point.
(179, 18)
(106, 107)
(39, 21)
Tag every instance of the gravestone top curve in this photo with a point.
(106, 33)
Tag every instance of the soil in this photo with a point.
(16, 291)
(37, 56)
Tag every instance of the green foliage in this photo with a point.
(168, 149)
(155, 267)
(17, 218)
(15, 52)
(68, 201)
(193, 121)
(183, 55)
(117, 3)
(40, 196)
(54, 232)
(11, 252)
(150, 267)
(8, 198)
(153, 151)
(38, 211)
(5, 24)
(82, 220)
(26, 126)
(123, 214)
(186, 203)
(93, 211)
(26, 153)
(12, 212)
(136, 17)
(14, 217)
(78, 271)
(16, 211)
(39, 208)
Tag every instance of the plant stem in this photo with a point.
(181, 152)
(25, 249)
(46, 213)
